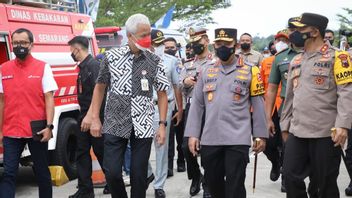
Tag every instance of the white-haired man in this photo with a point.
(130, 72)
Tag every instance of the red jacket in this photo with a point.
(24, 99)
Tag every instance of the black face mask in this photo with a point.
(224, 53)
(189, 55)
(273, 51)
(245, 46)
(198, 48)
(171, 52)
(298, 39)
(74, 57)
(21, 52)
(331, 41)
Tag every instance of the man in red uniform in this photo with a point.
(26, 103)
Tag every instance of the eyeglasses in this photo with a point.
(20, 43)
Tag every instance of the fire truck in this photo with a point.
(53, 25)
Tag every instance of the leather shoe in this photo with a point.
(181, 168)
(348, 190)
(275, 171)
(82, 194)
(159, 193)
(170, 173)
(195, 186)
(150, 180)
(106, 190)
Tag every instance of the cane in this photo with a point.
(333, 132)
(255, 164)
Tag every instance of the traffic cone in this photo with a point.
(98, 176)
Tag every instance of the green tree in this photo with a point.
(116, 12)
(346, 22)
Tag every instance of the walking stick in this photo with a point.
(255, 164)
(333, 131)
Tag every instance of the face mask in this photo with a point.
(224, 53)
(280, 46)
(245, 46)
(298, 38)
(273, 51)
(21, 52)
(171, 52)
(331, 42)
(198, 48)
(143, 43)
(74, 57)
(160, 50)
(266, 55)
(189, 55)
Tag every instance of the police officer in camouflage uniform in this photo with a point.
(188, 78)
(318, 97)
(226, 91)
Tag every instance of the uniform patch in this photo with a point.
(212, 75)
(342, 68)
(210, 96)
(210, 87)
(242, 71)
(319, 80)
(236, 97)
(344, 60)
(242, 77)
(213, 70)
(7, 77)
(257, 85)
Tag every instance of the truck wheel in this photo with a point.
(66, 146)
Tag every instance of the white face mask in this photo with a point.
(280, 46)
(160, 50)
(266, 55)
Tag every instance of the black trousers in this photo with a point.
(114, 152)
(228, 162)
(349, 153)
(178, 132)
(274, 146)
(317, 158)
(193, 170)
(84, 161)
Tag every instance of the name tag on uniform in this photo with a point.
(144, 84)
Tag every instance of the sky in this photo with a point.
(266, 17)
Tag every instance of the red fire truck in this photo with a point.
(52, 30)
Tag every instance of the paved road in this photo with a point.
(176, 186)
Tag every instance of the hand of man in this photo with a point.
(259, 145)
(86, 122)
(339, 137)
(178, 117)
(95, 128)
(271, 127)
(161, 135)
(193, 145)
(47, 134)
(284, 135)
(190, 81)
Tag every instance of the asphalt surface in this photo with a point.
(176, 186)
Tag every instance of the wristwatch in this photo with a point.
(163, 122)
(50, 126)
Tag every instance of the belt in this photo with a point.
(156, 102)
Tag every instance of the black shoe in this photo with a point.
(275, 172)
(150, 179)
(195, 186)
(159, 193)
(206, 193)
(170, 173)
(106, 190)
(82, 194)
(181, 168)
(348, 190)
